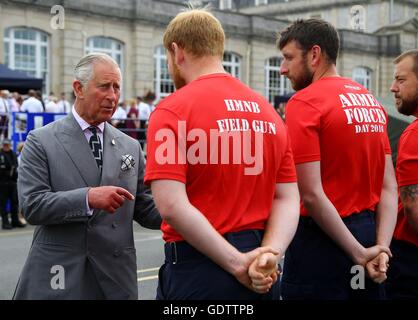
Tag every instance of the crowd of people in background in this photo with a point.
(33, 102)
(131, 116)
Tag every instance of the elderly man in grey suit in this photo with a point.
(76, 183)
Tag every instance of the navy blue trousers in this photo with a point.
(189, 275)
(402, 282)
(316, 268)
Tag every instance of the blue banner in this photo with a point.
(23, 122)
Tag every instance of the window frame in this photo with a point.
(112, 52)
(234, 64)
(160, 57)
(10, 41)
(284, 83)
(366, 76)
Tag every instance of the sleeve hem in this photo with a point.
(307, 158)
(164, 176)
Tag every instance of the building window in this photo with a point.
(261, 2)
(110, 46)
(363, 76)
(232, 64)
(225, 4)
(163, 83)
(276, 84)
(27, 50)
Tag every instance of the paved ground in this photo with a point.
(15, 244)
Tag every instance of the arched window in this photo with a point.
(112, 47)
(363, 76)
(232, 64)
(163, 83)
(276, 84)
(27, 50)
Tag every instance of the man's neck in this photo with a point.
(199, 67)
(328, 70)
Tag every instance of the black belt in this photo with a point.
(179, 251)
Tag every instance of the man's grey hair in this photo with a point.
(83, 71)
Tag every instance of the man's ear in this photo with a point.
(316, 55)
(78, 89)
(178, 54)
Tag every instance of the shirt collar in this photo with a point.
(83, 124)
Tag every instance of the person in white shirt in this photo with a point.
(4, 113)
(4, 103)
(53, 107)
(32, 105)
(120, 115)
(63, 104)
(144, 112)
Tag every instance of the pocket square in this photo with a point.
(128, 162)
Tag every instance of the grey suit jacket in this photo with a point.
(95, 254)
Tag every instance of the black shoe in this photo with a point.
(18, 224)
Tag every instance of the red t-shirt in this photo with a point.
(338, 122)
(407, 174)
(233, 189)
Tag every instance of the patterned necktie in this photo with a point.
(96, 147)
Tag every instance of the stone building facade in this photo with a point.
(131, 31)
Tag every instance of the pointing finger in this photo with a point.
(125, 193)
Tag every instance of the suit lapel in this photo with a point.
(75, 144)
(112, 159)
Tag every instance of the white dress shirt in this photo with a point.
(32, 105)
(144, 111)
(64, 105)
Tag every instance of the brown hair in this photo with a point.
(411, 53)
(197, 31)
(310, 32)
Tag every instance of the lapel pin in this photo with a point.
(113, 142)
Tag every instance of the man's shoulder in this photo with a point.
(411, 131)
(50, 128)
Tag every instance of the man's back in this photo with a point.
(226, 160)
(32, 105)
(337, 121)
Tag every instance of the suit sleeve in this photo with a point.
(146, 213)
(39, 203)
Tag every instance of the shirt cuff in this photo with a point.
(89, 211)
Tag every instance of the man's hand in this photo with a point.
(377, 267)
(369, 254)
(242, 273)
(108, 198)
(263, 272)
